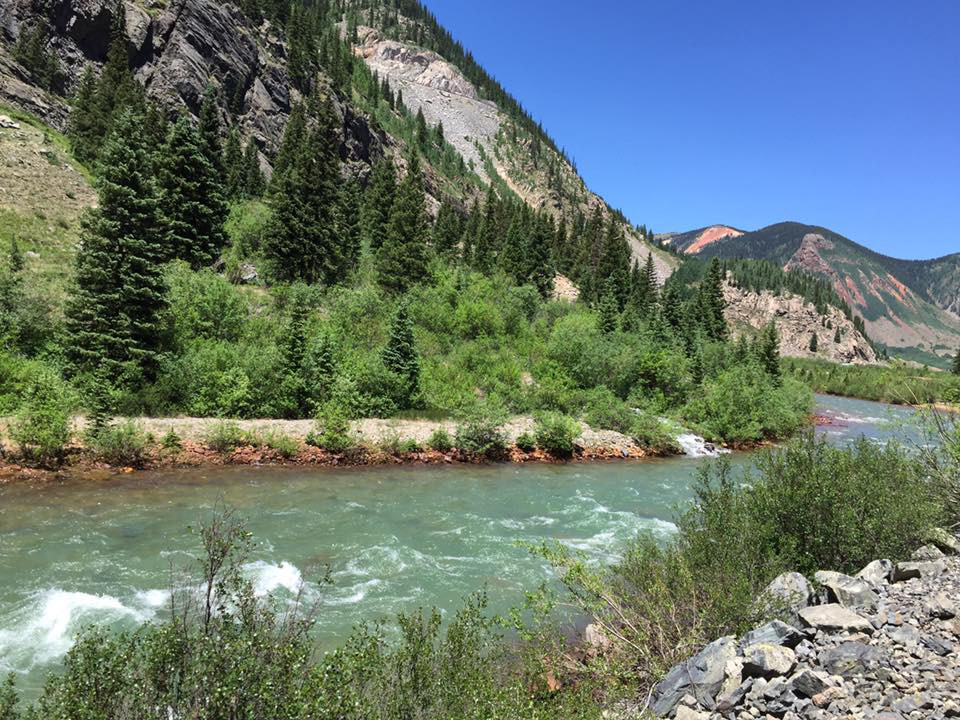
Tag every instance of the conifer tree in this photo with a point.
(319, 370)
(712, 303)
(836, 336)
(447, 231)
(956, 364)
(254, 183)
(536, 264)
(303, 243)
(486, 245)
(400, 355)
(349, 225)
(235, 169)
(294, 136)
(85, 126)
(113, 314)
(378, 202)
(608, 310)
(190, 201)
(293, 350)
(814, 343)
(403, 257)
(768, 351)
(672, 307)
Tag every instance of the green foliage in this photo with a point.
(814, 343)
(480, 433)
(248, 225)
(113, 315)
(9, 698)
(526, 442)
(556, 434)
(402, 258)
(171, 441)
(440, 440)
(955, 368)
(287, 447)
(41, 428)
(31, 52)
(897, 383)
(225, 437)
(121, 445)
(331, 430)
(743, 405)
(400, 356)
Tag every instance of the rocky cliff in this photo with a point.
(797, 321)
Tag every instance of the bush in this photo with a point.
(122, 445)
(742, 405)
(41, 428)
(171, 441)
(225, 437)
(480, 433)
(331, 430)
(556, 434)
(286, 446)
(526, 442)
(409, 446)
(440, 441)
(605, 411)
(650, 433)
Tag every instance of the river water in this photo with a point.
(101, 552)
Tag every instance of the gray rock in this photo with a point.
(877, 572)
(766, 660)
(849, 659)
(907, 635)
(941, 606)
(685, 713)
(774, 633)
(788, 592)
(807, 683)
(849, 592)
(927, 553)
(927, 570)
(945, 541)
(702, 676)
(938, 645)
(828, 618)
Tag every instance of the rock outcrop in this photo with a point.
(884, 645)
(797, 320)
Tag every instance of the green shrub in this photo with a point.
(480, 433)
(651, 434)
(605, 411)
(409, 446)
(556, 434)
(225, 437)
(122, 445)
(526, 442)
(171, 441)
(331, 430)
(440, 440)
(41, 428)
(288, 447)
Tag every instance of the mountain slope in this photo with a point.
(180, 47)
(906, 304)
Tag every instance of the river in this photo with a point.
(100, 552)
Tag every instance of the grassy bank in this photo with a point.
(898, 384)
(226, 653)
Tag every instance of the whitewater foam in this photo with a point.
(268, 577)
(695, 446)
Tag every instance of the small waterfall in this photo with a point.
(696, 446)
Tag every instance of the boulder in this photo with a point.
(702, 676)
(807, 683)
(941, 606)
(768, 661)
(788, 592)
(833, 617)
(943, 540)
(926, 570)
(876, 573)
(927, 553)
(849, 659)
(685, 713)
(849, 592)
(774, 633)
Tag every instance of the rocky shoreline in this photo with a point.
(883, 645)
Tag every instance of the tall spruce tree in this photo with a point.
(349, 225)
(85, 126)
(486, 246)
(768, 351)
(254, 183)
(233, 162)
(294, 137)
(447, 231)
(378, 203)
(304, 243)
(609, 312)
(536, 262)
(712, 303)
(400, 355)
(293, 350)
(956, 364)
(402, 259)
(112, 317)
(814, 343)
(190, 202)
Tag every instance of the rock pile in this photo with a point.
(883, 645)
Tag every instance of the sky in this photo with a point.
(688, 113)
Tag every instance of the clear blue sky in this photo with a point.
(688, 113)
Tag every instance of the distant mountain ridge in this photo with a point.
(911, 306)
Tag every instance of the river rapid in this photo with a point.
(395, 538)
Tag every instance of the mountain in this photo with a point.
(911, 306)
(252, 53)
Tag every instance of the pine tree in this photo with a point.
(536, 263)
(447, 231)
(113, 314)
(319, 370)
(293, 349)
(400, 355)
(85, 126)
(349, 225)
(303, 243)
(486, 247)
(814, 342)
(190, 204)
(403, 257)
(235, 169)
(254, 184)
(613, 268)
(294, 137)
(768, 351)
(956, 364)
(836, 336)
(672, 307)
(608, 310)
(712, 303)
(378, 203)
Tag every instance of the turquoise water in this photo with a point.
(395, 538)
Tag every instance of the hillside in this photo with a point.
(908, 305)
(179, 48)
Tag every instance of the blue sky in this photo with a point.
(693, 112)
